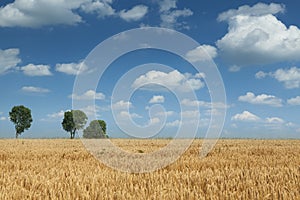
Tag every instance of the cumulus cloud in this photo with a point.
(262, 99)
(294, 101)
(273, 123)
(170, 15)
(2, 118)
(188, 102)
(173, 80)
(170, 19)
(276, 123)
(56, 115)
(157, 99)
(258, 36)
(91, 111)
(289, 77)
(72, 68)
(88, 95)
(166, 5)
(25, 13)
(34, 14)
(32, 89)
(9, 59)
(245, 116)
(259, 9)
(274, 120)
(122, 105)
(175, 123)
(166, 113)
(153, 121)
(190, 113)
(202, 53)
(130, 115)
(260, 75)
(234, 68)
(195, 103)
(134, 14)
(36, 70)
(101, 8)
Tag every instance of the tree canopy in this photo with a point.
(74, 120)
(96, 129)
(21, 117)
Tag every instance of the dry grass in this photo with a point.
(235, 169)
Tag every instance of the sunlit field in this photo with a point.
(235, 169)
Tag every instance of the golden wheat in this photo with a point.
(235, 169)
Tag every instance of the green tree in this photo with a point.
(21, 117)
(74, 120)
(96, 129)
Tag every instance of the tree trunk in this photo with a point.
(17, 135)
(73, 134)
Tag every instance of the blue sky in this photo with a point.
(255, 45)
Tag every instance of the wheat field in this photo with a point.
(235, 169)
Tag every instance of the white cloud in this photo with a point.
(200, 75)
(56, 115)
(9, 59)
(260, 75)
(157, 99)
(122, 105)
(26, 13)
(190, 114)
(234, 125)
(234, 68)
(88, 95)
(294, 101)
(33, 14)
(91, 111)
(175, 123)
(166, 5)
(262, 99)
(202, 53)
(214, 112)
(259, 9)
(195, 103)
(166, 113)
(271, 123)
(245, 116)
(170, 15)
(258, 36)
(34, 89)
(154, 120)
(130, 115)
(274, 120)
(72, 68)
(173, 80)
(2, 118)
(134, 14)
(276, 123)
(101, 8)
(289, 77)
(169, 19)
(36, 70)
